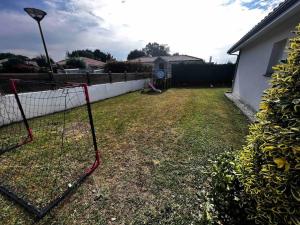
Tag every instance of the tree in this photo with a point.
(155, 49)
(73, 63)
(42, 61)
(269, 163)
(100, 55)
(81, 53)
(13, 56)
(135, 54)
(176, 54)
(97, 54)
(109, 57)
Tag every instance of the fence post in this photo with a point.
(88, 79)
(109, 76)
(51, 77)
(125, 75)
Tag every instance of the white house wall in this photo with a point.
(250, 81)
(34, 103)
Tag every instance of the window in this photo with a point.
(278, 55)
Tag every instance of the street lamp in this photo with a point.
(38, 15)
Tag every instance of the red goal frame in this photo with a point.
(10, 194)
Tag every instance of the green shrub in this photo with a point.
(121, 67)
(231, 204)
(269, 164)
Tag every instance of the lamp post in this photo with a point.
(38, 15)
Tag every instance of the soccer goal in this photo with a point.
(48, 142)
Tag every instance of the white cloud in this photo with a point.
(196, 27)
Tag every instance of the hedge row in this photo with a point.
(261, 182)
(270, 162)
(121, 67)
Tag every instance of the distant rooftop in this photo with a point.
(175, 58)
(88, 61)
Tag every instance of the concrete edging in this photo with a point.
(246, 110)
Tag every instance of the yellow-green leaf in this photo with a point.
(280, 162)
(269, 148)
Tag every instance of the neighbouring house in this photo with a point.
(162, 65)
(2, 61)
(32, 63)
(92, 65)
(259, 50)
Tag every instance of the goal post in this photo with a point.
(60, 150)
(11, 112)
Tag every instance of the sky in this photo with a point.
(200, 28)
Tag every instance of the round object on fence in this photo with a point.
(160, 74)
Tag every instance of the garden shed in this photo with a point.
(164, 63)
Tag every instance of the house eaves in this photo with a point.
(280, 13)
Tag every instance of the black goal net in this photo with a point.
(48, 143)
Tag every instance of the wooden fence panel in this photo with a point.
(98, 78)
(90, 79)
(80, 78)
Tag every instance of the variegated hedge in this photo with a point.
(269, 165)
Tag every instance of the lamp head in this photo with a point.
(36, 14)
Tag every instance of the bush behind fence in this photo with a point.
(121, 67)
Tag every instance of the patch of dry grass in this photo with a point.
(154, 149)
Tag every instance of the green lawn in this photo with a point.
(155, 149)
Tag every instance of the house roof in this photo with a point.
(87, 61)
(4, 60)
(175, 58)
(281, 9)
